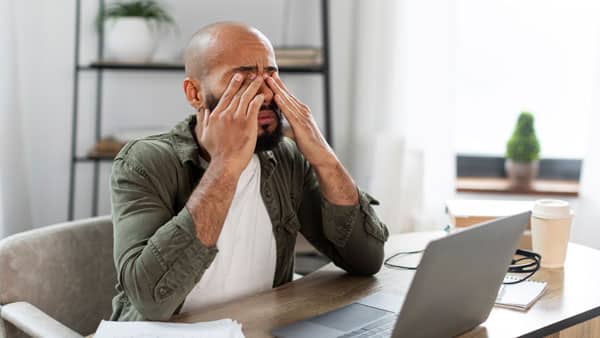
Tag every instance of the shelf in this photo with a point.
(170, 67)
(132, 66)
(501, 185)
(93, 159)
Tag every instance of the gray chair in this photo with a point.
(57, 281)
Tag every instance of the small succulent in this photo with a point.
(523, 145)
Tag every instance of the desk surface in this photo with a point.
(573, 296)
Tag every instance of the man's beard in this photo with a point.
(268, 140)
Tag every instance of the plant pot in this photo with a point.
(521, 174)
(129, 39)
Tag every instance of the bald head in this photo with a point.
(217, 42)
(214, 55)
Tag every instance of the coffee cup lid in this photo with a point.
(552, 209)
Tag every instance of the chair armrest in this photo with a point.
(35, 322)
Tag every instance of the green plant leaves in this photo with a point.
(151, 10)
(523, 145)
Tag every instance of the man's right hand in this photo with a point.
(229, 132)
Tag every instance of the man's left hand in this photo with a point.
(308, 137)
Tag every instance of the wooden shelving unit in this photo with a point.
(100, 67)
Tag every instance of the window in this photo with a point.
(493, 166)
(540, 56)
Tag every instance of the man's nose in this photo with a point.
(267, 92)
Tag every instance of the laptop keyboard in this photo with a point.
(381, 328)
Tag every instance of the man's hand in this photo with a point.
(229, 132)
(308, 137)
(335, 183)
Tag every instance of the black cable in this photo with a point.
(532, 264)
(404, 253)
(528, 263)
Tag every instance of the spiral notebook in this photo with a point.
(520, 296)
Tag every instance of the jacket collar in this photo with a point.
(184, 142)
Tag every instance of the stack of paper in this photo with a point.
(520, 296)
(224, 328)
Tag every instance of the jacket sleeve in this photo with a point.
(157, 255)
(351, 236)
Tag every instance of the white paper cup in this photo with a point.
(550, 229)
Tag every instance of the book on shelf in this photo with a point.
(295, 62)
(298, 56)
(298, 52)
(109, 146)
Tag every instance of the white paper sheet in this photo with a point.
(224, 328)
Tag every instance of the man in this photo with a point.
(210, 211)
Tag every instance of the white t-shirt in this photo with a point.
(245, 263)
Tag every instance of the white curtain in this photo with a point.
(14, 201)
(586, 226)
(404, 110)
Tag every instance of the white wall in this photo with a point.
(45, 48)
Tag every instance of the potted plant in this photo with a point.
(522, 154)
(131, 29)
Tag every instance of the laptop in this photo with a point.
(452, 291)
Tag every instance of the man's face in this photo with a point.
(248, 55)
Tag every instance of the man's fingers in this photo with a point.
(284, 98)
(232, 88)
(205, 117)
(248, 95)
(281, 97)
(286, 107)
(278, 80)
(276, 87)
(235, 102)
(254, 107)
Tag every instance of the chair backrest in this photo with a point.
(66, 270)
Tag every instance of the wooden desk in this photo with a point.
(572, 298)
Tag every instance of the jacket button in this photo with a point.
(162, 291)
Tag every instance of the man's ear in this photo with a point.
(193, 93)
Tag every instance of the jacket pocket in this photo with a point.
(373, 226)
(376, 228)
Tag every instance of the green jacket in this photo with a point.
(157, 255)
